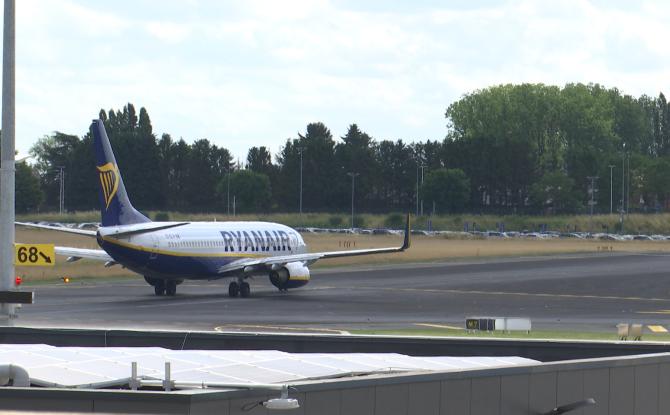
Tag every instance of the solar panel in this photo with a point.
(100, 367)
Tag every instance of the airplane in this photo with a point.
(167, 253)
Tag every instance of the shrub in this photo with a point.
(359, 221)
(394, 221)
(161, 217)
(335, 221)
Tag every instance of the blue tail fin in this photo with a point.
(115, 206)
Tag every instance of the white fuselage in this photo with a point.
(199, 248)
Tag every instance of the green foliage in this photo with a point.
(162, 217)
(28, 193)
(448, 189)
(251, 190)
(555, 191)
(394, 221)
(335, 221)
(656, 181)
(360, 221)
(522, 149)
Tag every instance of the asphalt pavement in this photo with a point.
(569, 292)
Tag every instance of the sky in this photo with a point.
(254, 73)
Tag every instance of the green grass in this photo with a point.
(533, 335)
(634, 223)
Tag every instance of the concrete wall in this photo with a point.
(627, 385)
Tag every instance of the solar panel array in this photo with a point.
(100, 367)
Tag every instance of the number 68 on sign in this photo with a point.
(39, 255)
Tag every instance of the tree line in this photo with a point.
(525, 149)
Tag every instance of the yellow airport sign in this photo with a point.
(34, 255)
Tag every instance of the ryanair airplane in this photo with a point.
(167, 253)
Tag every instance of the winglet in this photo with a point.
(407, 242)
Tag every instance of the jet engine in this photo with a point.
(292, 275)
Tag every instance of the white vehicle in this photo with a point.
(167, 253)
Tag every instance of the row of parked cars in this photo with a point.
(455, 234)
(493, 234)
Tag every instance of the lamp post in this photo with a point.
(417, 189)
(628, 185)
(61, 188)
(7, 160)
(422, 167)
(300, 150)
(611, 166)
(353, 182)
(419, 165)
(228, 192)
(592, 202)
(623, 185)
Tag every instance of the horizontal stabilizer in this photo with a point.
(78, 253)
(57, 228)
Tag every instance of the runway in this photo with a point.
(580, 292)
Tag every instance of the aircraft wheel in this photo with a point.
(171, 288)
(159, 287)
(245, 290)
(233, 289)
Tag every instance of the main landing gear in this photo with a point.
(163, 287)
(240, 288)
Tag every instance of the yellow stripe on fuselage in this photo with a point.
(182, 254)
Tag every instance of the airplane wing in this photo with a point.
(310, 258)
(75, 254)
(117, 232)
(57, 228)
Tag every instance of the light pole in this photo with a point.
(422, 167)
(623, 184)
(301, 149)
(611, 166)
(228, 192)
(61, 189)
(417, 189)
(592, 202)
(628, 185)
(419, 165)
(353, 182)
(7, 168)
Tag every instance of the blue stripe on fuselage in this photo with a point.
(163, 265)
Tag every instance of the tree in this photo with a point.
(53, 152)
(319, 170)
(555, 191)
(656, 186)
(446, 189)
(259, 160)
(251, 190)
(395, 180)
(205, 166)
(355, 154)
(136, 153)
(28, 195)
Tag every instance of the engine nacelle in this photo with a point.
(293, 275)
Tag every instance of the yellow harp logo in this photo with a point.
(109, 181)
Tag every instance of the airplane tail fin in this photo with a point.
(115, 206)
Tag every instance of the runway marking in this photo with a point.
(438, 326)
(263, 327)
(522, 294)
(654, 312)
(658, 329)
